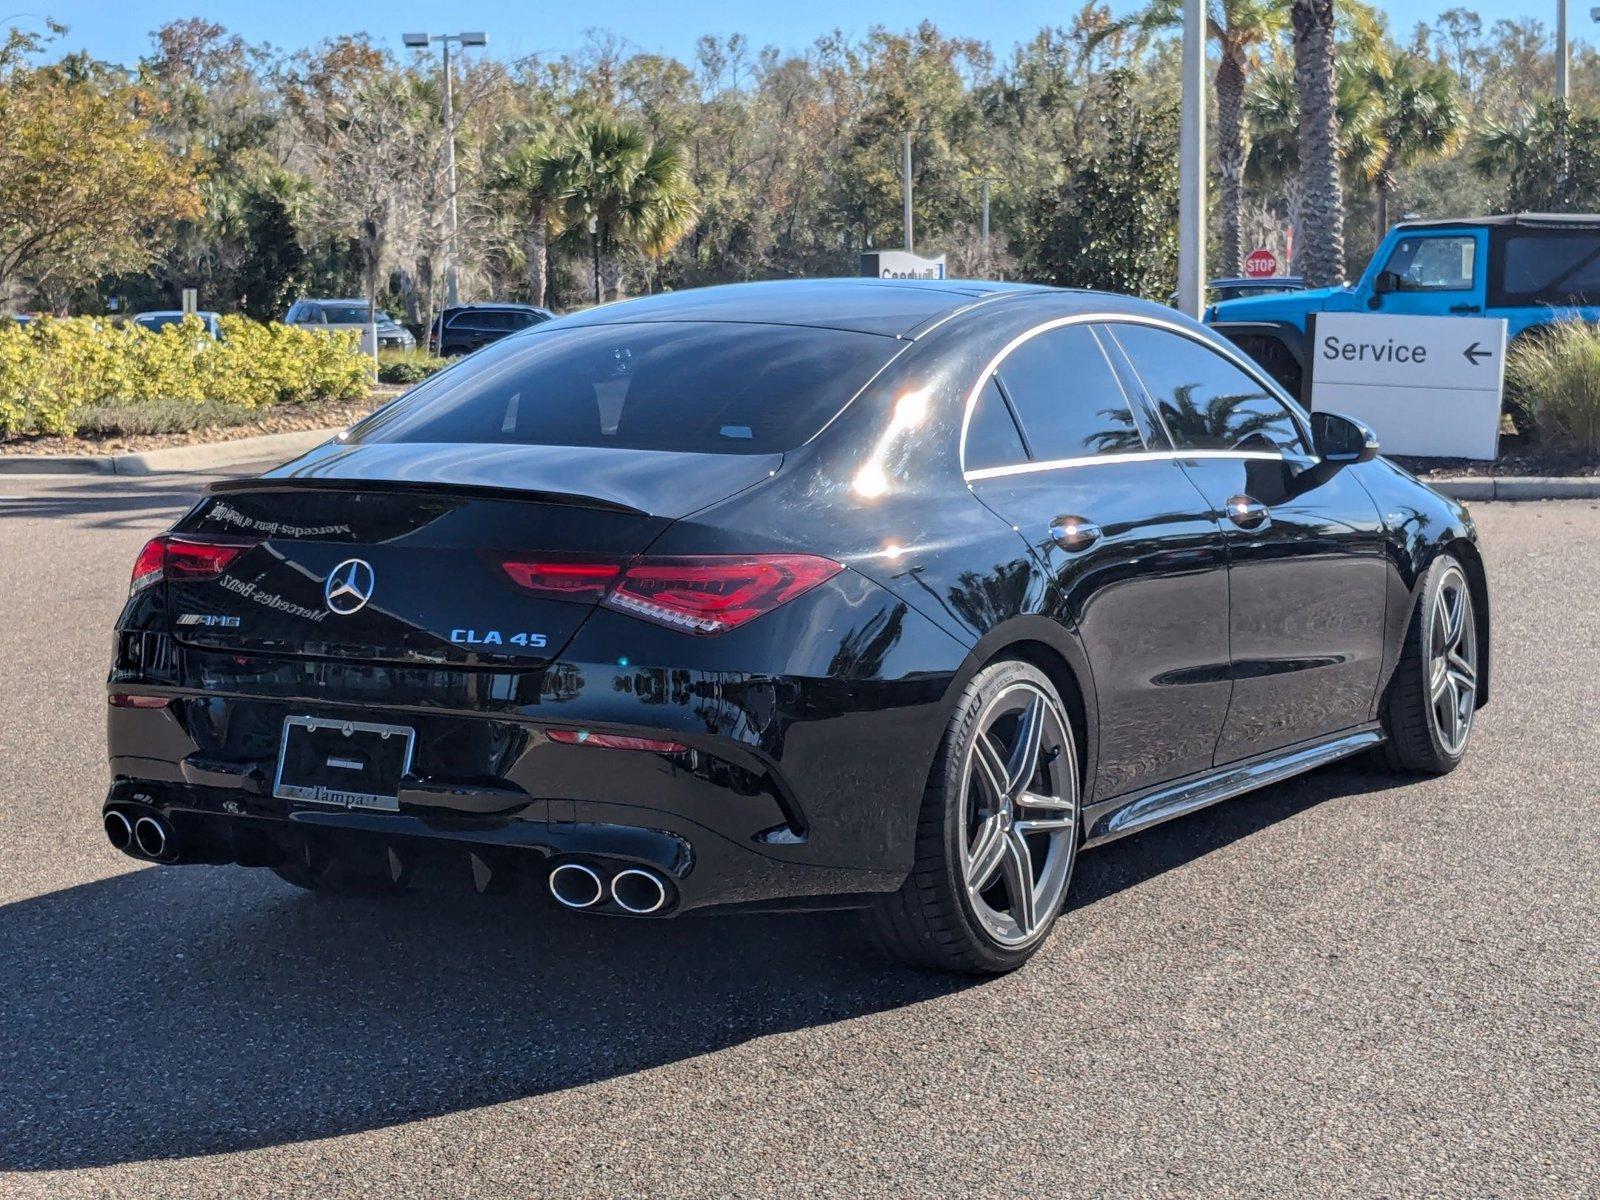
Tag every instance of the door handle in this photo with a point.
(1465, 308)
(1073, 534)
(1248, 513)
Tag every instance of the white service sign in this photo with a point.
(901, 264)
(1428, 386)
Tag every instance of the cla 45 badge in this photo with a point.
(493, 637)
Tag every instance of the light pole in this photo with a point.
(905, 170)
(1561, 49)
(420, 41)
(1192, 163)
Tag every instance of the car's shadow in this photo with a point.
(103, 501)
(167, 1013)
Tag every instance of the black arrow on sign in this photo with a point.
(1475, 353)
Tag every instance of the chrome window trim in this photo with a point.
(1236, 357)
(1092, 460)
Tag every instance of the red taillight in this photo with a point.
(148, 566)
(709, 593)
(715, 593)
(135, 700)
(562, 579)
(180, 558)
(613, 741)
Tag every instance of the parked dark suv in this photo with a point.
(469, 326)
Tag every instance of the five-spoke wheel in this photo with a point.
(1019, 807)
(998, 831)
(1452, 661)
(1429, 705)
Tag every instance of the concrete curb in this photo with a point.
(1519, 487)
(204, 457)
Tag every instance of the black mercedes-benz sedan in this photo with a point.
(836, 593)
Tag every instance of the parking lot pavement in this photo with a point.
(1343, 986)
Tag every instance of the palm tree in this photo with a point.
(1322, 197)
(1273, 107)
(522, 176)
(1239, 28)
(626, 192)
(1420, 116)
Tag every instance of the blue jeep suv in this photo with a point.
(1531, 268)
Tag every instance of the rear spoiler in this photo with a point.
(418, 487)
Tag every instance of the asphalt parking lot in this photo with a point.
(1343, 986)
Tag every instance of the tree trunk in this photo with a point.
(1319, 142)
(1230, 158)
(408, 296)
(1381, 199)
(425, 285)
(1297, 221)
(537, 250)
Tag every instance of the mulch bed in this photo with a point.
(289, 418)
(1515, 458)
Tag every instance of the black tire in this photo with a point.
(1416, 742)
(931, 922)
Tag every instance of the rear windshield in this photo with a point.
(352, 314)
(689, 386)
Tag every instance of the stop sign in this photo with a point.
(1259, 264)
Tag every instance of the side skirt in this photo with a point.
(1122, 815)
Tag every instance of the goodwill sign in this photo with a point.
(1428, 386)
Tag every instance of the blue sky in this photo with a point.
(119, 30)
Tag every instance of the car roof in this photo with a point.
(1528, 220)
(173, 312)
(517, 304)
(898, 308)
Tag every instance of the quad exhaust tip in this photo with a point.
(150, 836)
(638, 892)
(118, 829)
(576, 886)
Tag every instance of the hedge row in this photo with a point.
(52, 371)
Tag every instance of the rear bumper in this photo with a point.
(699, 867)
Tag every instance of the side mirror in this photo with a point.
(1342, 439)
(1386, 283)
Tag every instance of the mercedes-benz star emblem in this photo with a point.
(349, 586)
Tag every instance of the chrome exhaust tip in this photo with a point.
(638, 892)
(576, 886)
(119, 832)
(150, 836)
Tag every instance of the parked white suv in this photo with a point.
(350, 314)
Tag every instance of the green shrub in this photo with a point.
(1554, 377)
(51, 371)
(406, 367)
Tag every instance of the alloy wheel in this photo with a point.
(1452, 662)
(1019, 814)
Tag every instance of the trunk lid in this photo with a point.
(392, 553)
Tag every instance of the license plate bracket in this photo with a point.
(343, 764)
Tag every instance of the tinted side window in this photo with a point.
(1557, 268)
(992, 437)
(1066, 396)
(1206, 402)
